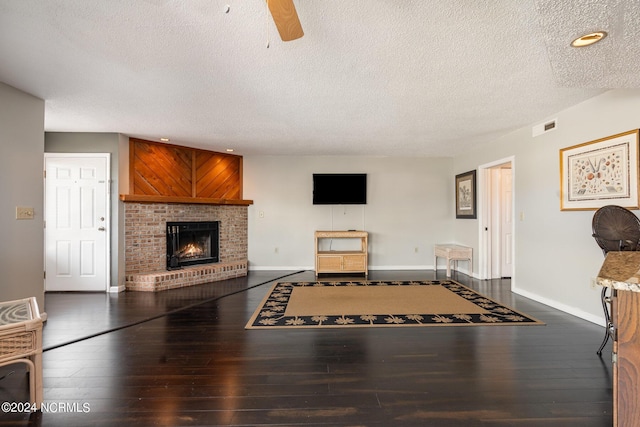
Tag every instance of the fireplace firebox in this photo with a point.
(190, 243)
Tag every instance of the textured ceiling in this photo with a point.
(374, 77)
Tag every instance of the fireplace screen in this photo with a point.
(190, 243)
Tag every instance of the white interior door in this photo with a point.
(76, 219)
(501, 220)
(496, 222)
(506, 226)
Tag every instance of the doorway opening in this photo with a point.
(496, 220)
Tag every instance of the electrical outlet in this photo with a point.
(275, 250)
(415, 249)
(24, 213)
(593, 283)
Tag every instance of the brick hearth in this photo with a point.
(145, 245)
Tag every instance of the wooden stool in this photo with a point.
(452, 253)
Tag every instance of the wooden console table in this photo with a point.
(341, 261)
(452, 252)
(621, 272)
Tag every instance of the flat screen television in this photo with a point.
(339, 188)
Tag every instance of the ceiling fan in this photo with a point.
(286, 18)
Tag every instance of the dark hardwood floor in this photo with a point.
(198, 366)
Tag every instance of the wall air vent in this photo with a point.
(544, 127)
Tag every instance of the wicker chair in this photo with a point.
(21, 341)
(615, 229)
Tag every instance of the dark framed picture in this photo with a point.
(466, 195)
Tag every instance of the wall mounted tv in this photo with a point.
(339, 188)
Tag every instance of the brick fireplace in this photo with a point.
(146, 244)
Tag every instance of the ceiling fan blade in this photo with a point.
(286, 18)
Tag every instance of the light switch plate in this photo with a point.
(24, 212)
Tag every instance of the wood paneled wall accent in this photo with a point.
(160, 169)
(167, 170)
(218, 176)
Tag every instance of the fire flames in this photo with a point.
(191, 251)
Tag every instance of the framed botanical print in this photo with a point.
(466, 195)
(599, 173)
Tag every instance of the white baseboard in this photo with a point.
(277, 268)
(311, 267)
(371, 268)
(562, 307)
(116, 289)
(400, 267)
(420, 268)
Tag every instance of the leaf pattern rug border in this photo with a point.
(270, 312)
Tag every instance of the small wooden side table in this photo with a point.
(354, 261)
(452, 252)
(21, 341)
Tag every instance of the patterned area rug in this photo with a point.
(380, 303)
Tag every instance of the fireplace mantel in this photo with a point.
(195, 200)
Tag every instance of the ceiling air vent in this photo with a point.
(544, 127)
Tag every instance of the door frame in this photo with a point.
(107, 157)
(484, 219)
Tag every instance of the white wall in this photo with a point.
(409, 206)
(555, 255)
(21, 166)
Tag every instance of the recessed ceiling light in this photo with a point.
(230, 150)
(165, 139)
(589, 39)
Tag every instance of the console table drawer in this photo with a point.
(330, 262)
(354, 262)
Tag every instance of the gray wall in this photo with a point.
(66, 142)
(21, 163)
(409, 206)
(555, 255)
